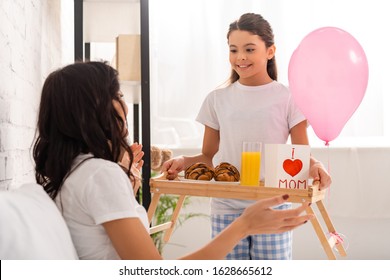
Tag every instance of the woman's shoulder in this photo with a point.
(89, 173)
(90, 164)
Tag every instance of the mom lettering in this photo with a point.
(293, 184)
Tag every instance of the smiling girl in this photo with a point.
(253, 107)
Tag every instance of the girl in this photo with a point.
(81, 138)
(253, 107)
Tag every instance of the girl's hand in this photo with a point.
(172, 167)
(319, 173)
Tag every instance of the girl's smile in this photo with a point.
(249, 57)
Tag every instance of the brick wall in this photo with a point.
(30, 48)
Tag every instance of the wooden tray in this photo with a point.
(182, 187)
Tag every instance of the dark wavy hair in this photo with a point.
(257, 25)
(76, 115)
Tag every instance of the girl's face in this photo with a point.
(121, 107)
(249, 57)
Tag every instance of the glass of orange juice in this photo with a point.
(250, 164)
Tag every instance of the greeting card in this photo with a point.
(287, 166)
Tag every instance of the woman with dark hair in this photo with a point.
(81, 139)
(252, 107)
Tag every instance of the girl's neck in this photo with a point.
(255, 81)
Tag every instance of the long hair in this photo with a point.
(76, 115)
(257, 25)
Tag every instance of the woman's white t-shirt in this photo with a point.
(95, 192)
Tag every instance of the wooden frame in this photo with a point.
(145, 84)
(161, 186)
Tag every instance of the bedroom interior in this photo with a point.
(183, 57)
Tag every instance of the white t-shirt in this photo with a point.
(97, 191)
(247, 113)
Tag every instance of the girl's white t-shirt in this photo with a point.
(241, 113)
(95, 192)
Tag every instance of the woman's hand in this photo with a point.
(136, 167)
(260, 218)
(136, 182)
(138, 154)
(172, 167)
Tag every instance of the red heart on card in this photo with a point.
(292, 167)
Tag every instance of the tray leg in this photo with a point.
(321, 235)
(175, 215)
(153, 206)
(330, 227)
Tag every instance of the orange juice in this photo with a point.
(250, 168)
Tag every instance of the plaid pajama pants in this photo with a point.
(256, 247)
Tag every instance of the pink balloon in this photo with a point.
(328, 76)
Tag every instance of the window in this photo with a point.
(189, 58)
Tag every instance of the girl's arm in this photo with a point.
(317, 171)
(209, 149)
(299, 134)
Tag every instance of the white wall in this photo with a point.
(357, 203)
(31, 41)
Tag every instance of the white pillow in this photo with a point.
(31, 226)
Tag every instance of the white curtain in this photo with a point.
(189, 58)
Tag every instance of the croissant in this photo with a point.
(226, 172)
(199, 171)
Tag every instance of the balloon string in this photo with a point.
(328, 169)
(337, 236)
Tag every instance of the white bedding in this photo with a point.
(31, 226)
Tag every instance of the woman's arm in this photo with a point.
(131, 240)
(259, 218)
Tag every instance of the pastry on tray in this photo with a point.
(199, 171)
(226, 172)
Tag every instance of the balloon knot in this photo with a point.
(337, 237)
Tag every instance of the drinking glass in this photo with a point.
(250, 164)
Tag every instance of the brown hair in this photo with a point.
(257, 25)
(76, 115)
